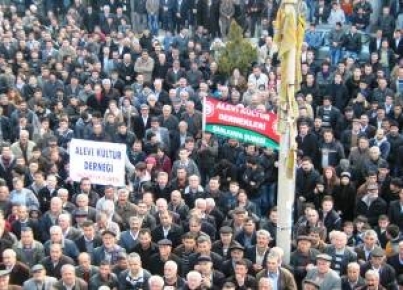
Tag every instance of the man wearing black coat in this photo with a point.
(387, 275)
(396, 261)
(352, 42)
(164, 254)
(55, 261)
(371, 205)
(142, 122)
(204, 249)
(236, 255)
(6, 129)
(89, 240)
(307, 142)
(124, 136)
(146, 248)
(174, 231)
(215, 278)
(307, 177)
(395, 212)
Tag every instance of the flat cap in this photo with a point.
(226, 230)
(304, 238)
(37, 267)
(80, 213)
(108, 232)
(237, 247)
(324, 257)
(164, 242)
(201, 259)
(377, 252)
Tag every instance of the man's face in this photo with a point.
(108, 240)
(56, 236)
(189, 243)
(84, 261)
(241, 270)
(304, 246)
(376, 261)
(55, 253)
(89, 232)
(8, 259)
(204, 247)
(104, 270)
(68, 277)
(165, 250)
(323, 266)
(226, 238)
(272, 265)
(145, 240)
(306, 166)
(169, 272)
(369, 241)
(27, 237)
(166, 220)
(372, 282)
(353, 273)
(38, 275)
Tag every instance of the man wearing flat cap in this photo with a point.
(109, 250)
(164, 254)
(237, 253)
(226, 241)
(323, 274)
(211, 278)
(203, 244)
(310, 285)
(303, 258)
(39, 279)
(387, 275)
(5, 281)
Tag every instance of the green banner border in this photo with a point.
(240, 133)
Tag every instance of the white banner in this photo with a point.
(102, 162)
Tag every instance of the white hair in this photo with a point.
(157, 280)
(194, 274)
(67, 267)
(55, 228)
(263, 233)
(373, 273)
(172, 264)
(210, 202)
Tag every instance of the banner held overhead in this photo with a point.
(241, 123)
(102, 162)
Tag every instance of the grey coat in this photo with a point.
(331, 281)
(48, 283)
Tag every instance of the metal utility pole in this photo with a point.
(289, 36)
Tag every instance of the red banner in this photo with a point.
(239, 118)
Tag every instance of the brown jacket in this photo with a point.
(286, 282)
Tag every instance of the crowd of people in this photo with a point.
(198, 211)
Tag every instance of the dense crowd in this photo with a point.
(198, 211)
